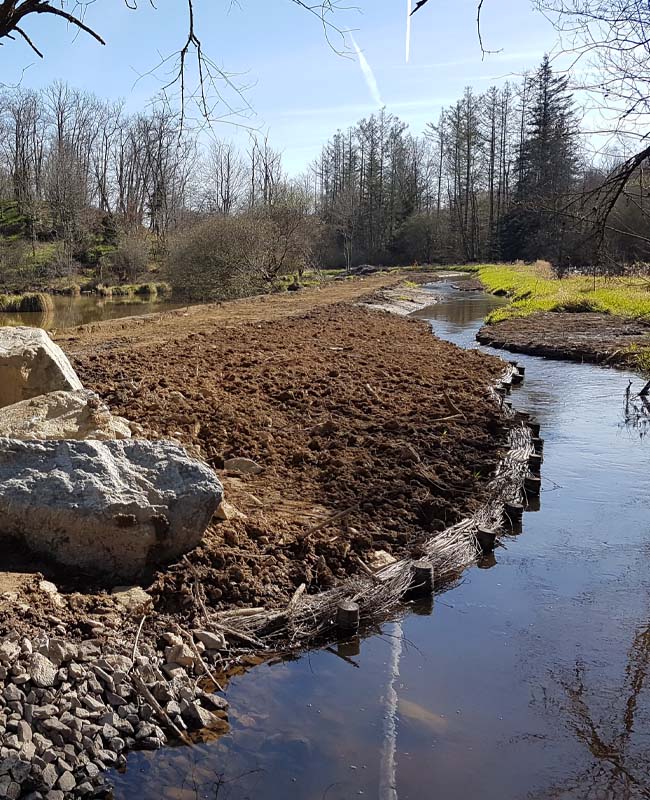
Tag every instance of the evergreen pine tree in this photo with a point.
(546, 170)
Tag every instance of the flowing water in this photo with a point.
(69, 311)
(529, 680)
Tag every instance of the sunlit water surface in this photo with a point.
(527, 681)
(68, 311)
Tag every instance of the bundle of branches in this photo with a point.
(311, 618)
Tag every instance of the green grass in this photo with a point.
(332, 273)
(31, 301)
(639, 358)
(532, 288)
(128, 289)
(13, 224)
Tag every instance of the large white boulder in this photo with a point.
(31, 364)
(106, 508)
(62, 415)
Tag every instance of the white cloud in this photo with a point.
(368, 74)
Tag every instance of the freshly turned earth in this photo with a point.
(596, 338)
(340, 405)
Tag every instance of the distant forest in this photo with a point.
(504, 175)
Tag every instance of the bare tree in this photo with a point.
(215, 86)
(224, 177)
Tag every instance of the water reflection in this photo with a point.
(70, 311)
(614, 735)
(528, 680)
(636, 410)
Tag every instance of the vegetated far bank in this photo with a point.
(345, 409)
(601, 319)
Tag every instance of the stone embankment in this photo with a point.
(78, 490)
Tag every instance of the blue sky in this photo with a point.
(300, 90)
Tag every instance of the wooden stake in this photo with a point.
(535, 463)
(486, 539)
(533, 485)
(347, 616)
(421, 578)
(514, 512)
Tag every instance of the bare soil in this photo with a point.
(354, 414)
(596, 338)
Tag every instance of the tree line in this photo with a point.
(505, 174)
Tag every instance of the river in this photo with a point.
(69, 311)
(529, 680)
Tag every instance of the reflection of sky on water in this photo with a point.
(527, 681)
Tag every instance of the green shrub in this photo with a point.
(216, 259)
(147, 289)
(130, 258)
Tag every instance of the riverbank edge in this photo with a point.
(137, 649)
(582, 336)
(602, 339)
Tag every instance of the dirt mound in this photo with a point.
(597, 338)
(354, 415)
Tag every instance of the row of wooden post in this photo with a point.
(348, 612)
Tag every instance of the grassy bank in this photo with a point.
(34, 302)
(127, 290)
(533, 288)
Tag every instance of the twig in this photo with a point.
(197, 588)
(250, 640)
(206, 668)
(141, 686)
(453, 408)
(242, 612)
(137, 638)
(365, 568)
(333, 518)
(295, 598)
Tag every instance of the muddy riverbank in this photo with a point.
(341, 409)
(367, 436)
(584, 337)
(528, 681)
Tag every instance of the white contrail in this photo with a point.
(409, 8)
(368, 74)
(388, 762)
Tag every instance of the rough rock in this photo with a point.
(227, 511)
(133, 599)
(197, 717)
(108, 508)
(244, 466)
(213, 641)
(51, 589)
(76, 414)
(180, 654)
(31, 365)
(379, 559)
